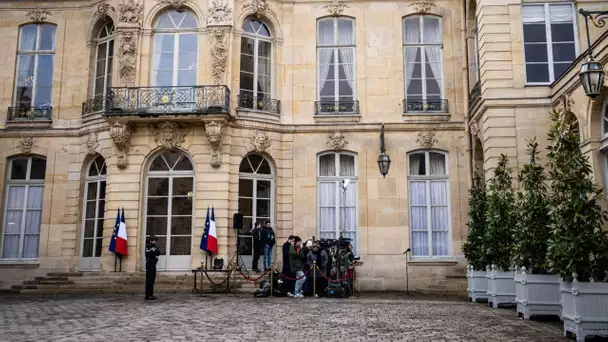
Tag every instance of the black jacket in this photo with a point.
(152, 253)
(268, 237)
(286, 266)
(256, 233)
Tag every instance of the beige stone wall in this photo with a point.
(296, 135)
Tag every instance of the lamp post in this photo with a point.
(592, 72)
(384, 161)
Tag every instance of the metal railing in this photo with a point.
(28, 113)
(261, 103)
(336, 107)
(425, 106)
(92, 105)
(474, 94)
(207, 99)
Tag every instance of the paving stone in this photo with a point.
(175, 317)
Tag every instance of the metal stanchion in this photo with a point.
(314, 278)
(271, 275)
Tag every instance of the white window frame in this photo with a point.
(257, 38)
(255, 177)
(549, 42)
(422, 46)
(88, 180)
(176, 32)
(26, 183)
(36, 53)
(428, 179)
(336, 53)
(337, 179)
(100, 41)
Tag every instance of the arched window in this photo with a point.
(429, 198)
(169, 207)
(256, 65)
(94, 204)
(422, 49)
(336, 65)
(256, 198)
(104, 57)
(175, 50)
(337, 207)
(34, 79)
(23, 208)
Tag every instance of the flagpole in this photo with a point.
(120, 264)
(115, 257)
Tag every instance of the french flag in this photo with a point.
(118, 244)
(209, 238)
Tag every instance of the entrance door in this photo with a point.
(256, 198)
(169, 205)
(93, 215)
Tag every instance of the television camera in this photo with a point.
(342, 260)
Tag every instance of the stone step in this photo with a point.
(48, 282)
(51, 278)
(9, 291)
(64, 274)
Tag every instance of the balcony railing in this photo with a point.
(144, 101)
(336, 107)
(261, 103)
(29, 113)
(92, 105)
(474, 94)
(425, 106)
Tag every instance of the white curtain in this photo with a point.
(327, 209)
(411, 28)
(33, 216)
(347, 165)
(327, 165)
(531, 14)
(325, 37)
(159, 42)
(47, 37)
(415, 164)
(432, 35)
(437, 162)
(419, 218)
(439, 218)
(348, 213)
(28, 37)
(410, 63)
(16, 229)
(347, 55)
(560, 13)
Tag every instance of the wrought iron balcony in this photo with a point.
(474, 94)
(153, 101)
(92, 105)
(261, 103)
(425, 106)
(28, 113)
(336, 107)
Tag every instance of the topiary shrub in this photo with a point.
(473, 248)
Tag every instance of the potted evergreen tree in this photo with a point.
(473, 248)
(578, 249)
(500, 228)
(536, 291)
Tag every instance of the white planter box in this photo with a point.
(501, 287)
(584, 308)
(537, 294)
(477, 284)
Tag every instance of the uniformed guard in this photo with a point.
(152, 254)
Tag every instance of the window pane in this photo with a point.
(180, 245)
(186, 78)
(182, 186)
(419, 218)
(263, 208)
(345, 89)
(28, 37)
(187, 60)
(43, 96)
(417, 164)
(158, 187)
(432, 86)
(98, 245)
(26, 70)
(559, 69)
(246, 81)
(181, 225)
(47, 37)
(345, 32)
(247, 63)
(328, 88)
(38, 168)
(189, 21)
(535, 33)
(159, 164)
(246, 206)
(411, 27)
(347, 165)
(325, 32)
(263, 84)
(414, 87)
(188, 43)
(327, 165)
(156, 226)
(536, 52)
(264, 49)
(32, 221)
(562, 32)
(91, 190)
(164, 43)
(19, 168)
(87, 248)
(264, 168)
(437, 161)
(246, 187)
(560, 13)
(563, 52)
(164, 22)
(432, 30)
(45, 70)
(263, 189)
(264, 66)
(183, 164)
(157, 206)
(533, 14)
(164, 79)
(89, 228)
(537, 72)
(181, 206)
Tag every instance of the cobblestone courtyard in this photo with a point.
(244, 318)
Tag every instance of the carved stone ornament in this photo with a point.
(39, 15)
(427, 139)
(474, 129)
(92, 143)
(422, 6)
(214, 132)
(26, 145)
(169, 135)
(220, 13)
(121, 134)
(335, 8)
(260, 141)
(177, 4)
(219, 55)
(337, 142)
(259, 7)
(130, 12)
(126, 65)
(104, 9)
(565, 103)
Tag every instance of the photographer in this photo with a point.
(318, 256)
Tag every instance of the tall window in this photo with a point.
(256, 197)
(23, 209)
(103, 64)
(94, 213)
(476, 51)
(256, 65)
(336, 64)
(35, 66)
(549, 41)
(175, 50)
(337, 209)
(422, 45)
(429, 204)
